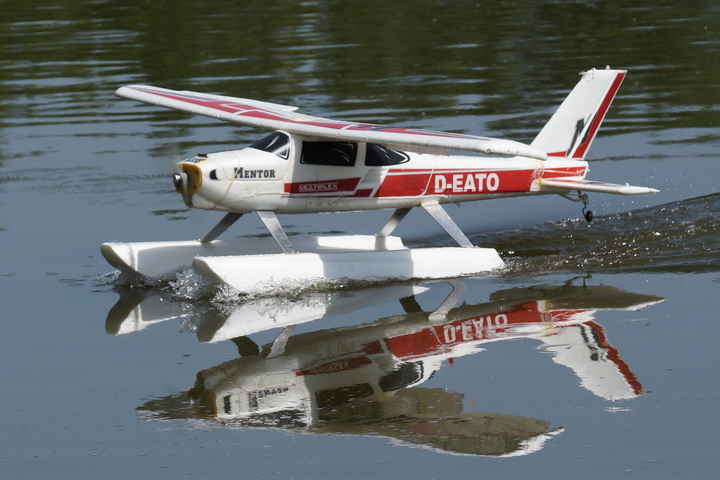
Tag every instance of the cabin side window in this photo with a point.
(341, 154)
(405, 375)
(380, 156)
(276, 143)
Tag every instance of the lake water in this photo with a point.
(592, 355)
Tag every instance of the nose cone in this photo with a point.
(187, 178)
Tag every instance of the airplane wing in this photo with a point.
(282, 117)
(563, 185)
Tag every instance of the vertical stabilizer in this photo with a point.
(584, 349)
(574, 125)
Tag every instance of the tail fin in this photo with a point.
(574, 125)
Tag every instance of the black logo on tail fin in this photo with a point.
(579, 128)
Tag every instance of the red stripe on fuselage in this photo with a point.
(335, 366)
(416, 183)
(439, 338)
(325, 186)
(404, 183)
(578, 171)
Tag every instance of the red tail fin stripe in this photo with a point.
(599, 116)
(614, 356)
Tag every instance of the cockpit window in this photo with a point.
(276, 143)
(341, 154)
(380, 156)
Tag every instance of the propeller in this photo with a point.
(187, 179)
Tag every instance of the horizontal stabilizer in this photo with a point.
(562, 185)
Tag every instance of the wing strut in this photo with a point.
(273, 225)
(393, 222)
(441, 217)
(222, 225)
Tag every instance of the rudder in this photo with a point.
(572, 128)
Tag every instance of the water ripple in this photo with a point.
(676, 237)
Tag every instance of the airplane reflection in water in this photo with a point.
(364, 379)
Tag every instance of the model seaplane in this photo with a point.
(316, 165)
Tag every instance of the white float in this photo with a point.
(248, 272)
(254, 264)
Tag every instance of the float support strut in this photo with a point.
(273, 225)
(441, 217)
(222, 225)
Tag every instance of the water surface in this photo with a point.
(591, 355)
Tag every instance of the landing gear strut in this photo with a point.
(586, 210)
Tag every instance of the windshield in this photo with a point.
(277, 143)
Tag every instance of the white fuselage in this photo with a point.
(289, 173)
